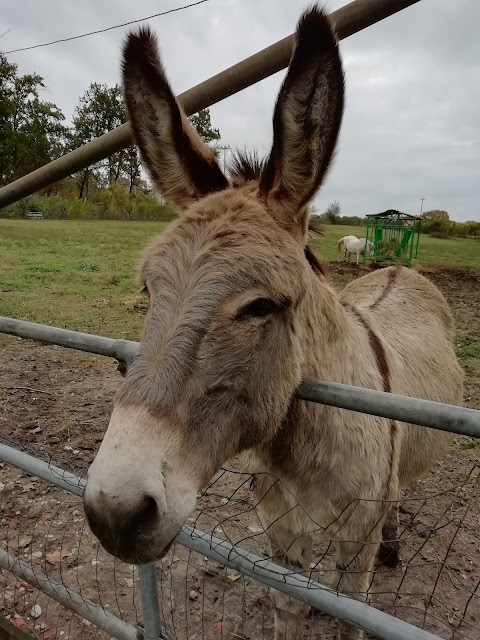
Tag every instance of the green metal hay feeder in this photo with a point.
(395, 237)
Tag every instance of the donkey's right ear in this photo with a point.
(180, 164)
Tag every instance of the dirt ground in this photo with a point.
(56, 403)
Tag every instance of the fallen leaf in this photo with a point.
(18, 622)
(24, 542)
(57, 556)
(233, 577)
(255, 529)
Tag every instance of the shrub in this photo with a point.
(112, 203)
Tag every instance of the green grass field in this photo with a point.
(81, 274)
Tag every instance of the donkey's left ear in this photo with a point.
(306, 123)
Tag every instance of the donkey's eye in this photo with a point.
(260, 308)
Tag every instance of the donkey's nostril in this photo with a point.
(121, 527)
(141, 521)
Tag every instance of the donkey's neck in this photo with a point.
(336, 348)
(334, 341)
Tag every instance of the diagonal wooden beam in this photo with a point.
(349, 19)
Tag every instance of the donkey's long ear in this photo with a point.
(180, 164)
(306, 122)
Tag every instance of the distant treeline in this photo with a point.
(117, 202)
(437, 223)
(111, 203)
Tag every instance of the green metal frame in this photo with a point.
(395, 237)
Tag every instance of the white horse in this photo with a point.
(352, 244)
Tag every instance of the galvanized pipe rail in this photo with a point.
(426, 413)
(75, 485)
(94, 613)
(349, 19)
(362, 615)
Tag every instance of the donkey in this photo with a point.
(240, 312)
(352, 244)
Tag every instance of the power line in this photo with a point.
(116, 26)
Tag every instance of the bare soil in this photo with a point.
(56, 403)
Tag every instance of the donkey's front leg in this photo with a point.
(355, 564)
(285, 524)
(290, 614)
(389, 552)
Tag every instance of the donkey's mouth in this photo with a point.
(138, 543)
(139, 552)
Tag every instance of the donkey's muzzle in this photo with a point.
(139, 491)
(123, 533)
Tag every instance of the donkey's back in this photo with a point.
(413, 320)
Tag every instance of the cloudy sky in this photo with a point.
(411, 125)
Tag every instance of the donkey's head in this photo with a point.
(221, 350)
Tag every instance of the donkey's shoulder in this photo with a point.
(393, 284)
(395, 291)
(364, 291)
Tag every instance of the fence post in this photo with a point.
(152, 623)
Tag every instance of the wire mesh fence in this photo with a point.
(44, 527)
(437, 587)
(54, 405)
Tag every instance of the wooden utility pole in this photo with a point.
(421, 206)
(224, 148)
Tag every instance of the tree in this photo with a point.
(332, 213)
(31, 129)
(435, 214)
(131, 168)
(435, 221)
(100, 110)
(203, 124)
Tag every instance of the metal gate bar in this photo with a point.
(74, 484)
(362, 615)
(424, 413)
(94, 613)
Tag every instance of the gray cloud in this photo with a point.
(410, 129)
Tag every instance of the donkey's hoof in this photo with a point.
(389, 554)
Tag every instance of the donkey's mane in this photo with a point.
(247, 166)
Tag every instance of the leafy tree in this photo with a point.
(437, 221)
(100, 110)
(31, 129)
(435, 214)
(332, 214)
(203, 124)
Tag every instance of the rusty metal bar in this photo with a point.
(349, 19)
